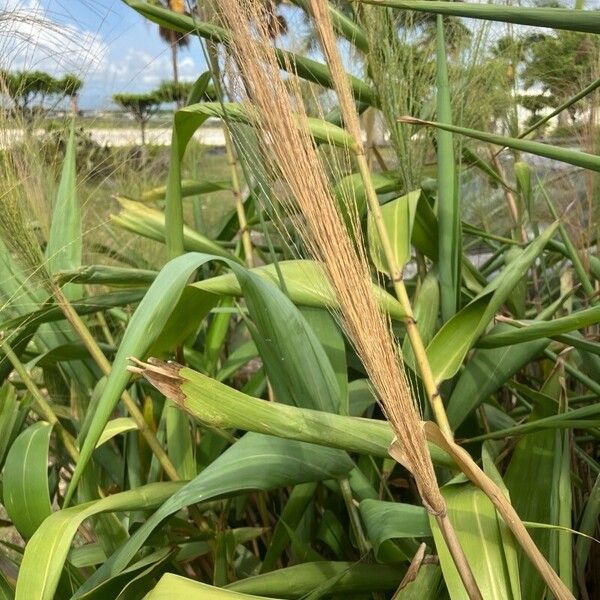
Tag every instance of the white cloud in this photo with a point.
(31, 39)
(141, 69)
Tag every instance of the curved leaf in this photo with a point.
(25, 482)
(282, 462)
(47, 550)
(556, 18)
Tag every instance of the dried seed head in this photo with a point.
(290, 151)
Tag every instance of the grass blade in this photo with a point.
(555, 18)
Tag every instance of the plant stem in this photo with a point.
(45, 410)
(98, 356)
(460, 560)
(416, 342)
(361, 539)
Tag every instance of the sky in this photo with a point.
(104, 42)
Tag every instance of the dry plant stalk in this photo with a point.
(286, 136)
(326, 35)
(324, 28)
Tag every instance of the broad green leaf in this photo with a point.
(175, 587)
(283, 462)
(328, 332)
(556, 18)
(11, 418)
(214, 404)
(46, 552)
(535, 330)
(64, 248)
(188, 188)
(299, 580)
(478, 529)
(290, 517)
(295, 362)
(449, 347)
(25, 482)
(487, 371)
(393, 520)
(352, 188)
(149, 222)
(116, 427)
(398, 218)
(305, 282)
(134, 582)
(143, 329)
(533, 459)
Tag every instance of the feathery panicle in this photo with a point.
(289, 149)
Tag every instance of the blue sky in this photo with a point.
(104, 42)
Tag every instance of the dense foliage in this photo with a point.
(255, 464)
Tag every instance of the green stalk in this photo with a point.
(448, 208)
(98, 356)
(45, 410)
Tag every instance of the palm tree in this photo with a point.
(173, 38)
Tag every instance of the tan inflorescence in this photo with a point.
(290, 150)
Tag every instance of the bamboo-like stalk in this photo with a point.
(350, 116)
(352, 124)
(292, 158)
(44, 409)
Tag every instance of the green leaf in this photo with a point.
(393, 520)
(25, 482)
(572, 157)
(299, 580)
(282, 462)
(295, 362)
(64, 248)
(116, 427)
(214, 404)
(144, 328)
(533, 459)
(11, 418)
(398, 218)
(305, 282)
(555, 18)
(175, 587)
(304, 67)
(485, 372)
(46, 552)
(149, 222)
(188, 188)
(449, 347)
(535, 330)
(478, 529)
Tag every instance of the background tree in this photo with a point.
(561, 63)
(173, 38)
(71, 86)
(30, 91)
(140, 106)
(178, 92)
